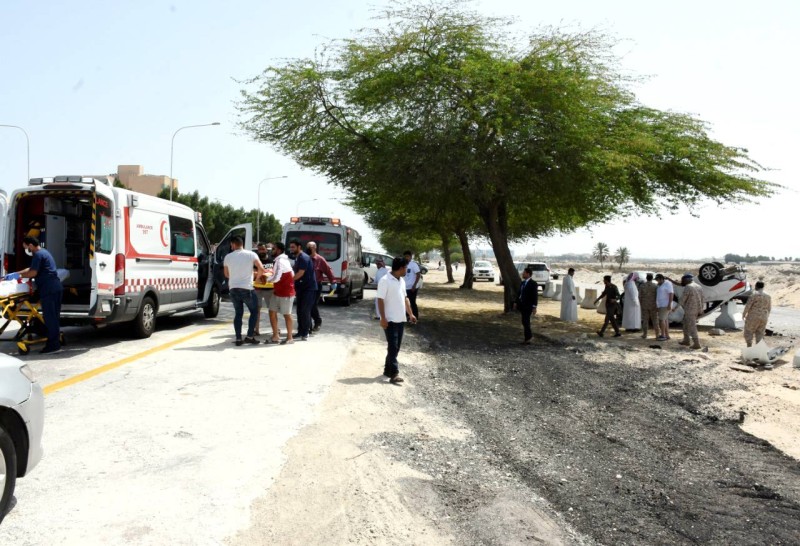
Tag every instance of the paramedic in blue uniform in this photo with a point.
(43, 270)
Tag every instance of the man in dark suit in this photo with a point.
(526, 302)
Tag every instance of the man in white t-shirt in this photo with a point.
(382, 272)
(239, 266)
(393, 306)
(412, 277)
(664, 295)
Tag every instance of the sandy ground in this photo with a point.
(768, 399)
(574, 440)
(344, 483)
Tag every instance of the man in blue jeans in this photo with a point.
(305, 287)
(43, 269)
(393, 306)
(239, 266)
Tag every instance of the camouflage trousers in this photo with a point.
(649, 316)
(754, 327)
(690, 327)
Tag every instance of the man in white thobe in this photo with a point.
(569, 301)
(632, 309)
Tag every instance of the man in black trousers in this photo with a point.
(526, 302)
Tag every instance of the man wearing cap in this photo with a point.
(692, 302)
(664, 294)
(756, 314)
(43, 269)
(393, 306)
(382, 270)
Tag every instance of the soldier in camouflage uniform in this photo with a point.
(755, 315)
(647, 300)
(692, 302)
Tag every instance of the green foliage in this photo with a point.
(218, 219)
(601, 253)
(441, 117)
(118, 183)
(622, 256)
(748, 259)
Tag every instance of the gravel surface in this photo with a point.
(625, 454)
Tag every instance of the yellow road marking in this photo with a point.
(49, 389)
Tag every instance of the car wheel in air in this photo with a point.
(211, 310)
(8, 471)
(710, 274)
(145, 321)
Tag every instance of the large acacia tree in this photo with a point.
(537, 136)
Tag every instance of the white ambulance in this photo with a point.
(130, 257)
(340, 246)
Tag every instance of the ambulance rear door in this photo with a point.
(102, 251)
(3, 228)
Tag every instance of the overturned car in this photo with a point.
(720, 284)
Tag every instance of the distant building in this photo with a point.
(133, 178)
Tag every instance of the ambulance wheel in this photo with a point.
(145, 321)
(348, 299)
(23, 348)
(211, 310)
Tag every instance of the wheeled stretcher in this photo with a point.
(24, 309)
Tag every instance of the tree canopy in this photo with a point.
(218, 219)
(523, 140)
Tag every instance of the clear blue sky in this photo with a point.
(98, 83)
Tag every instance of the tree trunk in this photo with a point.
(447, 259)
(468, 278)
(494, 219)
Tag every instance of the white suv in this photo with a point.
(21, 423)
(483, 270)
(541, 272)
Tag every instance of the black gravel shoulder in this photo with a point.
(622, 455)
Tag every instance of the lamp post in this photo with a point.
(27, 144)
(258, 205)
(172, 152)
(297, 207)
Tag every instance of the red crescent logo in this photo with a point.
(163, 230)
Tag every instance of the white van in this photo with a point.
(339, 245)
(370, 269)
(130, 256)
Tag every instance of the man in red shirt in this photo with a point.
(321, 269)
(283, 294)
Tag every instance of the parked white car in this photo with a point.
(21, 424)
(541, 273)
(483, 271)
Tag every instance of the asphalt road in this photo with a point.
(166, 440)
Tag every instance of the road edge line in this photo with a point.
(54, 387)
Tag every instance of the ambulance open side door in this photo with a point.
(245, 231)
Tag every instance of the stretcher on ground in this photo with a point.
(22, 308)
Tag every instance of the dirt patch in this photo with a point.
(632, 445)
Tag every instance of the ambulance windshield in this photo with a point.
(329, 245)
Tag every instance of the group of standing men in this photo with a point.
(648, 304)
(301, 282)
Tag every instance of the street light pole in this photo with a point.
(258, 205)
(297, 207)
(27, 143)
(172, 152)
